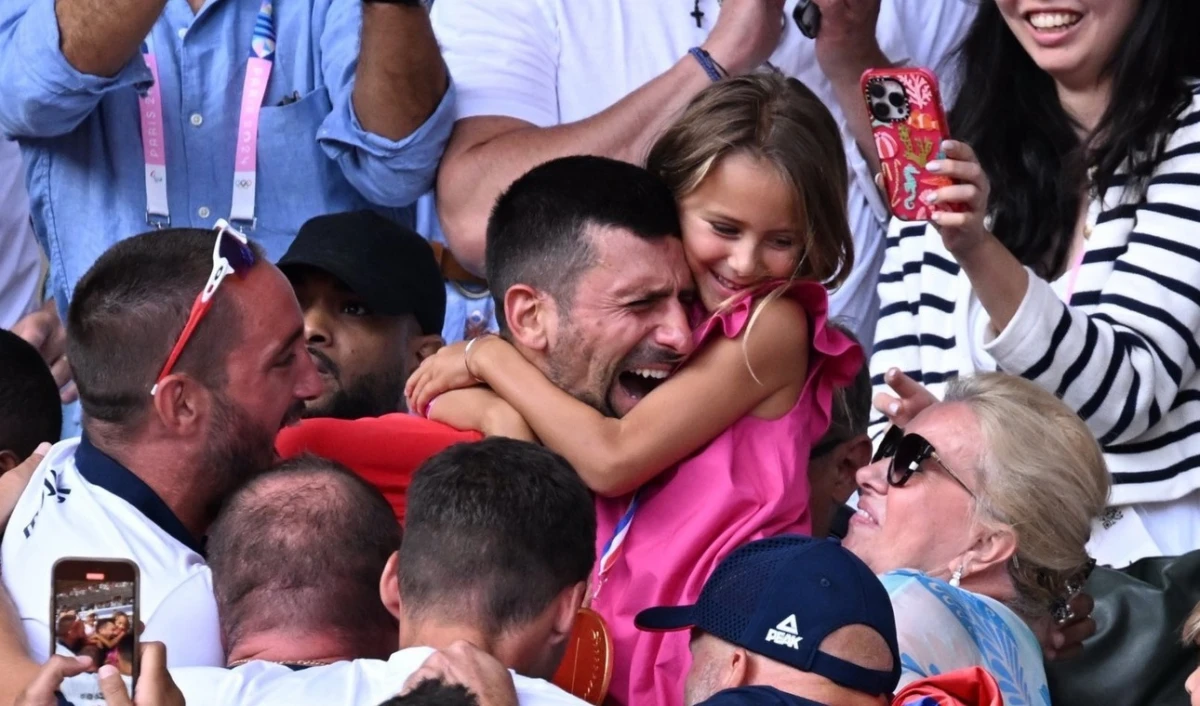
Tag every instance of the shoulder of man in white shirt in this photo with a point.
(362, 681)
(61, 515)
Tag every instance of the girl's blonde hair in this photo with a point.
(778, 120)
(1042, 474)
(1191, 629)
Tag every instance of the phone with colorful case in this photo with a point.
(909, 125)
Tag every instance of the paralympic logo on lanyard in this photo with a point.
(254, 89)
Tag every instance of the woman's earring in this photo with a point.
(956, 577)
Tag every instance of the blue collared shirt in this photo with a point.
(81, 135)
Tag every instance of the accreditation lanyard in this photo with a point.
(245, 166)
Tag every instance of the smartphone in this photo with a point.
(909, 124)
(94, 611)
(808, 18)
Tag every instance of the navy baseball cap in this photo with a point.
(781, 597)
(385, 263)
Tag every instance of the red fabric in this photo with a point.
(973, 686)
(385, 450)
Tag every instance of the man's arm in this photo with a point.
(846, 46)
(487, 153)
(393, 105)
(400, 77)
(98, 37)
(70, 53)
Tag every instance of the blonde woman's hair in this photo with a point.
(1042, 474)
(1191, 628)
(779, 120)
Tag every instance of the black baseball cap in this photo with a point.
(385, 263)
(781, 597)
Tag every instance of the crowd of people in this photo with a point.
(426, 339)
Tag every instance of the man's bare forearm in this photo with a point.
(478, 168)
(19, 668)
(400, 77)
(98, 37)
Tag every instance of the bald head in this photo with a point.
(300, 550)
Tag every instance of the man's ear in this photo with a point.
(8, 461)
(736, 669)
(182, 405)
(422, 347)
(851, 455)
(566, 609)
(531, 317)
(389, 585)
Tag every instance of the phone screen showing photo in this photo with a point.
(95, 615)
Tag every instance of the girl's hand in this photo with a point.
(441, 372)
(965, 227)
(912, 398)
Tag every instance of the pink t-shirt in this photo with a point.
(748, 483)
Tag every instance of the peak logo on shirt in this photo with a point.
(53, 488)
(786, 633)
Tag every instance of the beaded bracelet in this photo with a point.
(714, 70)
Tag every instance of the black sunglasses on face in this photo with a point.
(907, 452)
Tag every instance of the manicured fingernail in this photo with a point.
(894, 408)
(949, 145)
(107, 671)
(42, 449)
(930, 197)
(934, 166)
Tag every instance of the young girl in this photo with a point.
(757, 167)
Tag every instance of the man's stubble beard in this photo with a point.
(238, 449)
(370, 395)
(569, 342)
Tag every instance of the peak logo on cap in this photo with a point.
(786, 633)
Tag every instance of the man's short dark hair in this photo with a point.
(537, 234)
(435, 692)
(127, 312)
(30, 410)
(495, 530)
(302, 547)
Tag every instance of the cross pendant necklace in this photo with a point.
(698, 14)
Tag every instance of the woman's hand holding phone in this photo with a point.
(967, 226)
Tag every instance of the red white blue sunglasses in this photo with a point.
(232, 254)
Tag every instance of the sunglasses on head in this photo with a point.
(907, 452)
(232, 254)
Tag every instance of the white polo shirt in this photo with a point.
(363, 682)
(550, 62)
(81, 503)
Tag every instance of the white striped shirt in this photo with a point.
(1124, 354)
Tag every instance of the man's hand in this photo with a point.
(13, 483)
(466, 665)
(846, 45)
(746, 34)
(154, 687)
(40, 691)
(44, 331)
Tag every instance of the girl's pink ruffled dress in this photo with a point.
(750, 482)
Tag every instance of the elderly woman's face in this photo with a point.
(926, 523)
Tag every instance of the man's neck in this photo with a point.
(314, 646)
(439, 636)
(169, 473)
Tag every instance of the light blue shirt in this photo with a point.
(81, 135)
